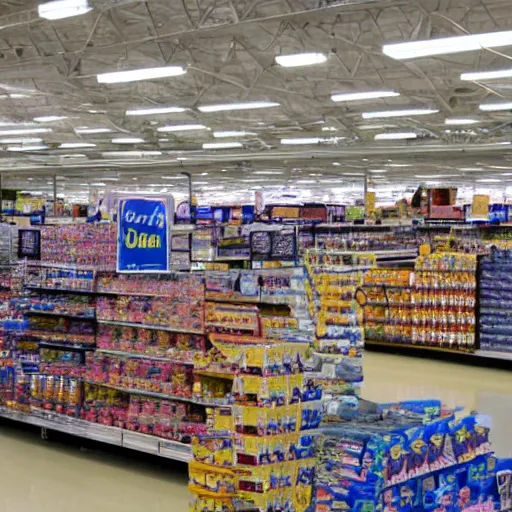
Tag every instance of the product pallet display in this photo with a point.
(259, 454)
(339, 336)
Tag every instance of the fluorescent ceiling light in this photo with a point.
(26, 148)
(436, 175)
(489, 180)
(21, 141)
(471, 169)
(378, 171)
(399, 113)
(128, 140)
(181, 128)
(353, 173)
(301, 59)
(222, 145)
(27, 131)
(49, 119)
(494, 107)
(131, 153)
(63, 9)
(155, 111)
(304, 182)
(376, 126)
(173, 177)
(398, 165)
(200, 182)
(458, 122)
(238, 106)
(136, 75)
(336, 164)
(90, 131)
(225, 134)
(396, 136)
(358, 96)
(268, 172)
(447, 45)
(310, 140)
(329, 129)
(486, 75)
(98, 184)
(73, 145)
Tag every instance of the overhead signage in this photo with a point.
(144, 234)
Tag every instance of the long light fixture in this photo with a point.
(226, 134)
(136, 75)
(396, 136)
(358, 96)
(448, 45)
(222, 145)
(128, 140)
(21, 141)
(486, 75)
(130, 153)
(63, 9)
(378, 171)
(460, 122)
(74, 145)
(181, 128)
(309, 140)
(301, 59)
(226, 107)
(400, 113)
(49, 119)
(91, 131)
(155, 111)
(495, 107)
(26, 148)
(25, 131)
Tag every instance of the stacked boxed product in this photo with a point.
(261, 457)
(339, 336)
(496, 301)
(399, 461)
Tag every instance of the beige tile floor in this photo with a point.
(36, 476)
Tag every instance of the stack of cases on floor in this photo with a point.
(336, 363)
(495, 300)
(403, 460)
(261, 458)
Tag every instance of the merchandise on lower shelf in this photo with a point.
(495, 301)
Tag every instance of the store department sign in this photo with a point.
(144, 234)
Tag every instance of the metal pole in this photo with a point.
(1, 197)
(365, 194)
(55, 195)
(189, 176)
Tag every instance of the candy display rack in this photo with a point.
(259, 454)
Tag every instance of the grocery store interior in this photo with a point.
(256, 255)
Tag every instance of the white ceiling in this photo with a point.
(228, 48)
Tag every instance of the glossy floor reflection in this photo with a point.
(40, 476)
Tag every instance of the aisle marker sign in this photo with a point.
(144, 234)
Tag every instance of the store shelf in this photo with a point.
(69, 348)
(104, 434)
(150, 327)
(59, 290)
(153, 394)
(135, 355)
(132, 294)
(34, 312)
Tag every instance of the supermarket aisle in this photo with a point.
(44, 477)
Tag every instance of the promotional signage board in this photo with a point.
(144, 233)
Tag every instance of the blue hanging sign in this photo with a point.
(144, 234)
